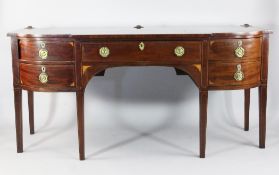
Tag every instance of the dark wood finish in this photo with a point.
(31, 111)
(262, 115)
(223, 49)
(203, 121)
(263, 91)
(18, 119)
(222, 74)
(15, 62)
(264, 60)
(80, 120)
(246, 109)
(59, 76)
(204, 67)
(57, 50)
(17, 94)
(156, 51)
(73, 60)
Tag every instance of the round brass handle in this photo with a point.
(43, 77)
(238, 75)
(179, 51)
(239, 51)
(104, 52)
(43, 53)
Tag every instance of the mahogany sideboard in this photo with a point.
(65, 59)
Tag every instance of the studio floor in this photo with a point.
(166, 148)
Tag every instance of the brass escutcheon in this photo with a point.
(43, 53)
(239, 51)
(141, 46)
(238, 75)
(43, 77)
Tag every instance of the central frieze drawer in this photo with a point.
(175, 51)
(47, 76)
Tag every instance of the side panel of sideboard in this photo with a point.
(234, 63)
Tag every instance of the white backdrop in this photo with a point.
(139, 120)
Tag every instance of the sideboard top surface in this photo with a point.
(196, 31)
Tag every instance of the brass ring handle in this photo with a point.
(43, 53)
(104, 52)
(238, 75)
(179, 51)
(239, 51)
(43, 77)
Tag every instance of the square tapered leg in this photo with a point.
(262, 115)
(246, 109)
(203, 121)
(80, 120)
(31, 111)
(18, 119)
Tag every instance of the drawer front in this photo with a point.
(187, 51)
(46, 50)
(235, 49)
(223, 74)
(47, 76)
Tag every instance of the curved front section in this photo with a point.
(47, 77)
(234, 63)
(47, 64)
(228, 76)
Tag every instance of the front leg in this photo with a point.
(262, 115)
(18, 118)
(203, 121)
(80, 120)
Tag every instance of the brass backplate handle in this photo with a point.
(104, 52)
(238, 75)
(239, 51)
(179, 51)
(43, 77)
(43, 52)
